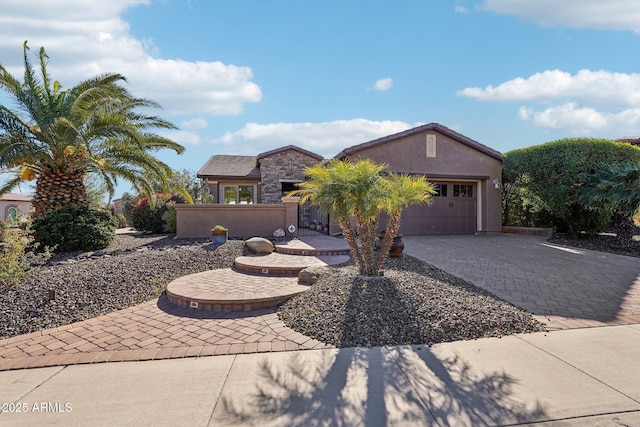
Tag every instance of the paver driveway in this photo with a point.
(564, 287)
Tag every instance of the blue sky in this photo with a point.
(244, 77)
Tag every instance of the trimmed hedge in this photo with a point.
(76, 228)
(541, 182)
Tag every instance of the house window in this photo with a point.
(441, 190)
(288, 187)
(11, 213)
(238, 194)
(462, 190)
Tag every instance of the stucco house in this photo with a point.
(11, 205)
(467, 174)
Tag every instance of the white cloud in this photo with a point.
(326, 139)
(462, 10)
(195, 123)
(182, 137)
(585, 120)
(84, 38)
(383, 84)
(593, 14)
(598, 87)
(586, 103)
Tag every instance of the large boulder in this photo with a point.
(260, 245)
(311, 275)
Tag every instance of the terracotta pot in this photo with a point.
(397, 246)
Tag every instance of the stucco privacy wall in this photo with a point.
(282, 166)
(242, 221)
(23, 203)
(453, 159)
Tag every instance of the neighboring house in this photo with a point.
(11, 205)
(633, 140)
(468, 176)
(264, 178)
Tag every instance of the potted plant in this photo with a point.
(219, 235)
(397, 247)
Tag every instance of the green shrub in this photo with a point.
(541, 183)
(76, 228)
(145, 217)
(170, 218)
(17, 253)
(122, 221)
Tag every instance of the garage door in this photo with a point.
(452, 211)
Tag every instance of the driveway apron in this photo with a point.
(563, 287)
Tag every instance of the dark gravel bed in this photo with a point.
(413, 303)
(135, 269)
(605, 242)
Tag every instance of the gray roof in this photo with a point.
(633, 140)
(429, 127)
(227, 166)
(290, 147)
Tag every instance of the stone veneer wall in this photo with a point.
(285, 165)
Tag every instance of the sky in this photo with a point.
(248, 76)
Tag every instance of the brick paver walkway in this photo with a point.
(153, 330)
(564, 287)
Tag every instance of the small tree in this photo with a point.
(362, 190)
(615, 187)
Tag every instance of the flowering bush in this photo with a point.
(144, 217)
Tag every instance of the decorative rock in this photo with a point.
(310, 275)
(279, 233)
(260, 245)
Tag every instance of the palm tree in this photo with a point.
(58, 137)
(615, 187)
(362, 190)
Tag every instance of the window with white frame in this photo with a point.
(238, 194)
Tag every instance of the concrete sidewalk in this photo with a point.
(562, 378)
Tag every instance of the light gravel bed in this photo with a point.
(413, 303)
(135, 269)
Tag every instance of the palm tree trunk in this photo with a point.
(56, 190)
(392, 230)
(350, 237)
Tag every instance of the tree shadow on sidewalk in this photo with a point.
(372, 386)
(375, 387)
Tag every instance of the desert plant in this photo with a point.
(18, 252)
(58, 137)
(170, 218)
(76, 228)
(363, 190)
(614, 188)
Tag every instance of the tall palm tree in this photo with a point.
(362, 190)
(57, 136)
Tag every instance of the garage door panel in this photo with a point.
(445, 215)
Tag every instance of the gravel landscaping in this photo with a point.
(413, 303)
(136, 268)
